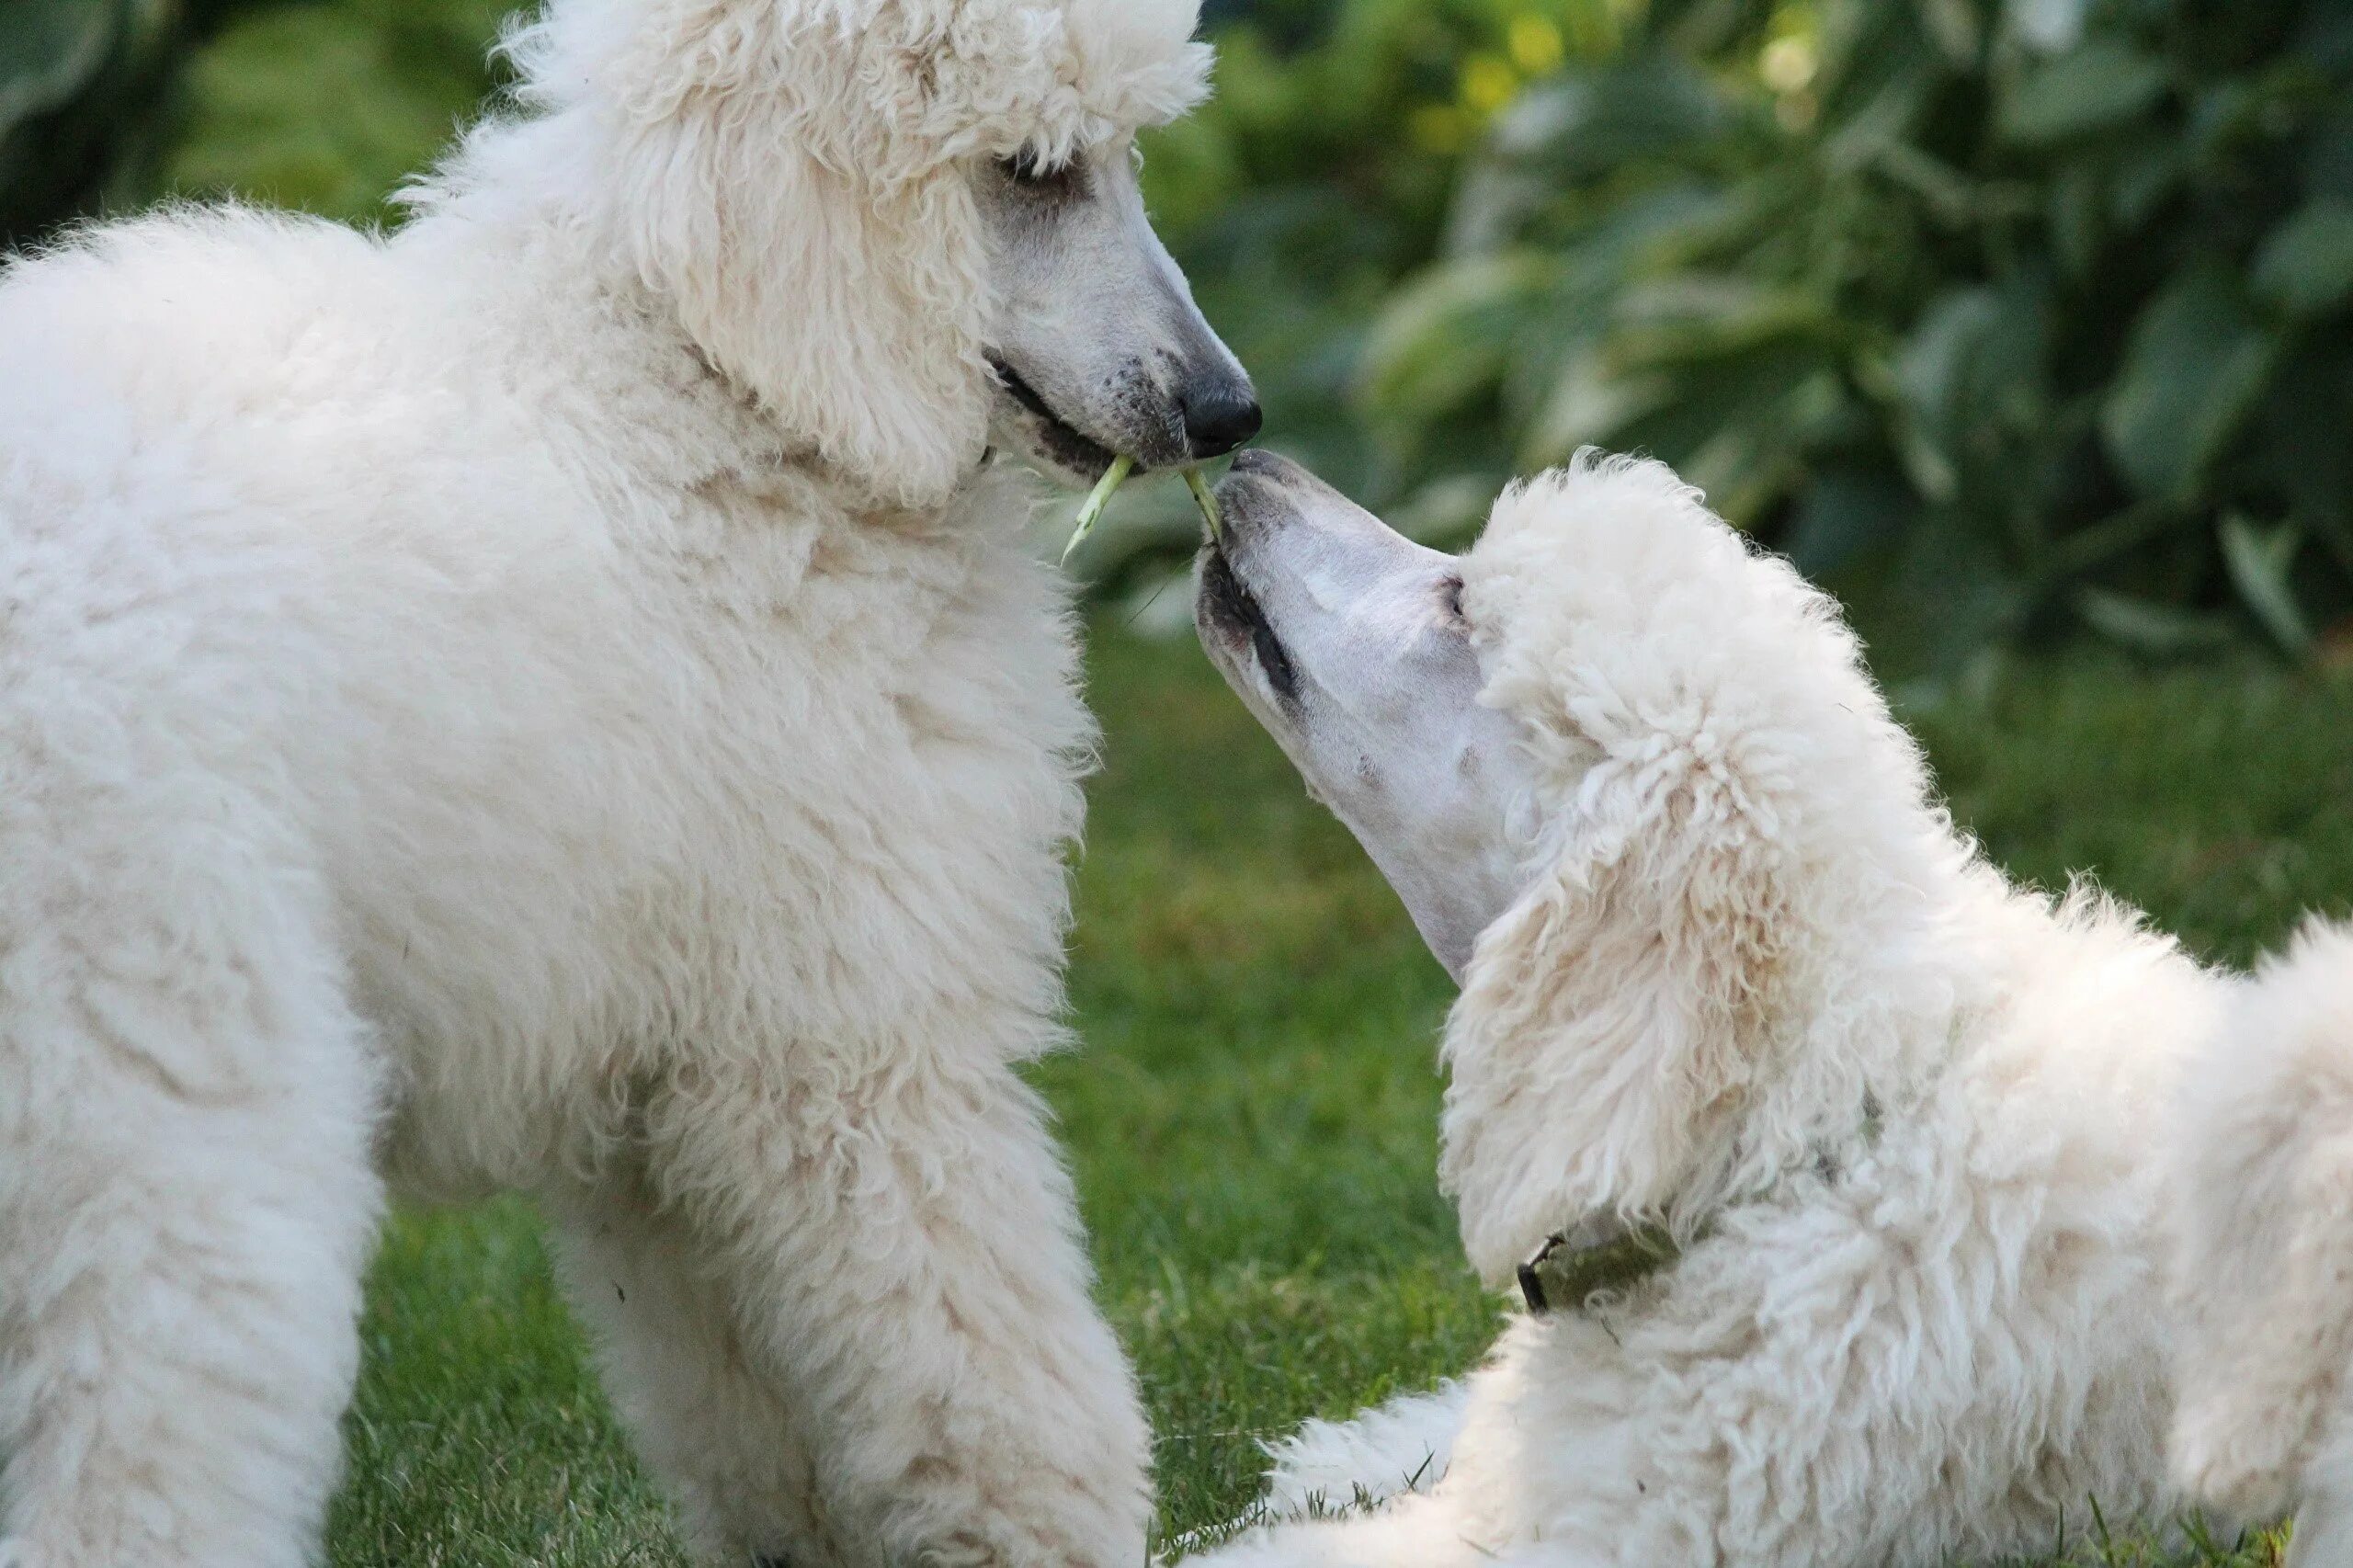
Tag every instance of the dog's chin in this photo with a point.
(1222, 609)
(1022, 421)
(1237, 635)
(1055, 450)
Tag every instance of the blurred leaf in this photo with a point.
(1448, 508)
(2106, 82)
(2328, 162)
(80, 92)
(2258, 561)
(2300, 437)
(1926, 371)
(2147, 627)
(2049, 25)
(2146, 174)
(1664, 226)
(1955, 25)
(1188, 167)
(1847, 515)
(2326, 38)
(1588, 124)
(1951, 195)
(1944, 599)
(1445, 336)
(1736, 424)
(2077, 216)
(1698, 316)
(2305, 266)
(1971, 368)
(50, 50)
(1589, 405)
(1750, 462)
(1885, 116)
(2196, 358)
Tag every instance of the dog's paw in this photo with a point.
(2244, 1468)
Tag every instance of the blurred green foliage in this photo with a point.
(321, 104)
(78, 83)
(2006, 317)
(329, 107)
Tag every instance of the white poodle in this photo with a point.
(555, 700)
(2265, 1273)
(1828, 1152)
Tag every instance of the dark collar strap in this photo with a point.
(1605, 1258)
(1565, 1274)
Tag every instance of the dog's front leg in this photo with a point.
(2324, 1533)
(897, 1252)
(730, 1451)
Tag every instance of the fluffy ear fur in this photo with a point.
(1722, 781)
(775, 185)
(1610, 1022)
(789, 176)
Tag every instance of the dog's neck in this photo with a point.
(504, 227)
(1583, 1087)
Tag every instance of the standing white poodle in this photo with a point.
(2265, 1273)
(1834, 1158)
(554, 700)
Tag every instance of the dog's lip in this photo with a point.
(1071, 445)
(1229, 607)
(1225, 597)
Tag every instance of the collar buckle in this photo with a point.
(1598, 1257)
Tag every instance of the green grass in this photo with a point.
(1253, 1117)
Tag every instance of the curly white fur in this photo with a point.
(1757, 985)
(550, 700)
(2264, 1276)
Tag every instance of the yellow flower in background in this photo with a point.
(1787, 65)
(1536, 44)
(1488, 83)
(1439, 128)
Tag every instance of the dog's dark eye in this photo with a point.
(1027, 169)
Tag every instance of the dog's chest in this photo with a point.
(809, 798)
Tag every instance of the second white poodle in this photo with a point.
(1828, 1152)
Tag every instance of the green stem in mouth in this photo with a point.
(1090, 511)
(1205, 501)
(1097, 499)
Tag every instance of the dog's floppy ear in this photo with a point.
(786, 176)
(1610, 1021)
(1727, 809)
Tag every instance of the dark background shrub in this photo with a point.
(2012, 319)
(2018, 319)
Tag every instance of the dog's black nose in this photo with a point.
(1220, 412)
